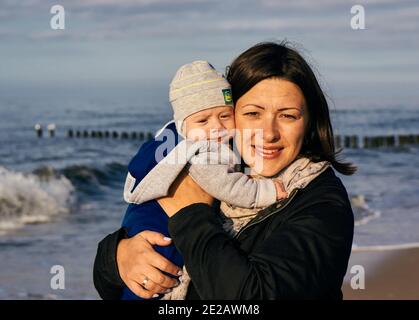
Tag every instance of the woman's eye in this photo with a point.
(288, 116)
(252, 114)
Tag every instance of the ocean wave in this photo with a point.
(47, 192)
(362, 212)
(28, 198)
(85, 176)
(87, 179)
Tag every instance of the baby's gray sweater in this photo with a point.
(211, 166)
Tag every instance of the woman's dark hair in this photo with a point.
(277, 60)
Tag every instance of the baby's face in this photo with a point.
(211, 124)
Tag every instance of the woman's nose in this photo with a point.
(270, 130)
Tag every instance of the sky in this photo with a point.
(118, 43)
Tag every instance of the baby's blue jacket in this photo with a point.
(149, 215)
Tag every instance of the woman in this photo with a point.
(297, 248)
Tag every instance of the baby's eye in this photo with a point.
(202, 121)
(225, 116)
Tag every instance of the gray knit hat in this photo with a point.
(197, 86)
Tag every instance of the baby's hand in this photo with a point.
(280, 190)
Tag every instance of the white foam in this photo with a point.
(411, 245)
(27, 198)
(374, 215)
(359, 202)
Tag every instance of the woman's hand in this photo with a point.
(183, 192)
(137, 260)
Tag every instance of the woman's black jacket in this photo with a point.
(295, 249)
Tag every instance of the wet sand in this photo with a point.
(390, 273)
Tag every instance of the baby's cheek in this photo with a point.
(197, 134)
(231, 125)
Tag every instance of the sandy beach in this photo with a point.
(390, 273)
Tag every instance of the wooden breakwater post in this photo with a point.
(366, 142)
(351, 142)
(38, 130)
(390, 141)
(355, 142)
(407, 139)
(347, 141)
(134, 135)
(373, 142)
(124, 135)
(51, 129)
(341, 141)
(338, 142)
(379, 141)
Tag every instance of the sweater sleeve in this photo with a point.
(145, 161)
(156, 183)
(301, 258)
(235, 188)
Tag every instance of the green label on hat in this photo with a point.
(228, 99)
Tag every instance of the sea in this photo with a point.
(59, 196)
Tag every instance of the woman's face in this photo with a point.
(270, 120)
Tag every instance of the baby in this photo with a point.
(202, 127)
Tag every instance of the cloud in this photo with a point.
(175, 30)
(128, 19)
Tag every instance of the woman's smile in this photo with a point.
(268, 152)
